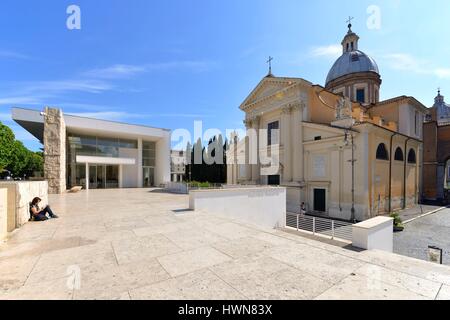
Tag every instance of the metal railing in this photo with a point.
(320, 226)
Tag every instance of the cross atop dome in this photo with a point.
(350, 42)
(349, 21)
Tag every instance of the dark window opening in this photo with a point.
(318, 138)
(273, 180)
(412, 157)
(361, 95)
(382, 153)
(399, 154)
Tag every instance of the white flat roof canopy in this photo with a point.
(106, 160)
(33, 122)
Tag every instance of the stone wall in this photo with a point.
(19, 196)
(55, 150)
(261, 206)
(3, 213)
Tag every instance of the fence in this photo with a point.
(320, 226)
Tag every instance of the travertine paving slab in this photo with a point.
(264, 278)
(363, 288)
(444, 293)
(49, 290)
(419, 268)
(199, 285)
(189, 261)
(414, 284)
(141, 248)
(325, 265)
(242, 247)
(15, 271)
(231, 230)
(193, 238)
(141, 244)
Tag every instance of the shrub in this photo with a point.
(397, 220)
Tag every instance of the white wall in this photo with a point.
(20, 194)
(129, 172)
(162, 169)
(262, 206)
(374, 234)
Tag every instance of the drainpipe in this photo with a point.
(390, 173)
(404, 173)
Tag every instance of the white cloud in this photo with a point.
(443, 73)
(10, 101)
(408, 63)
(119, 71)
(13, 55)
(115, 72)
(331, 51)
(63, 86)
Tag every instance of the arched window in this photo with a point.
(399, 154)
(382, 153)
(412, 157)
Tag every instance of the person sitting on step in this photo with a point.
(37, 214)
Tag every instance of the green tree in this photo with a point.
(7, 139)
(15, 157)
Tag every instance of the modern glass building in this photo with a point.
(103, 154)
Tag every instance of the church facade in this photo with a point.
(436, 166)
(341, 151)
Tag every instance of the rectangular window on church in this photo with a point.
(361, 95)
(273, 129)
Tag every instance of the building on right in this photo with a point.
(178, 163)
(436, 156)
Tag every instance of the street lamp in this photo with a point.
(353, 217)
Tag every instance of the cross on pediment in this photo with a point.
(270, 64)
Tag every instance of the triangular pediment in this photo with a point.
(269, 86)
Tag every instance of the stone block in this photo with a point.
(19, 196)
(3, 214)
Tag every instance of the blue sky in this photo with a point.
(169, 63)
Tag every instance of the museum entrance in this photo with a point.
(103, 176)
(320, 204)
(149, 177)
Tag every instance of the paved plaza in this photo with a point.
(432, 230)
(143, 244)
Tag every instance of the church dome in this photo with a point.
(351, 62)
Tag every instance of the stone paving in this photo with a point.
(432, 230)
(142, 244)
(418, 211)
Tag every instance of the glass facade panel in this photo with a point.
(149, 162)
(128, 144)
(99, 176)
(147, 145)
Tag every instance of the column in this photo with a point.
(162, 170)
(120, 176)
(254, 152)
(286, 141)
(55, 150)
(87, 176)
(247, 145)
(140, 178)
(297, 152)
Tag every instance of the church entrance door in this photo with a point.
(320, 200)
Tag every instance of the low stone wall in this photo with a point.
(262, 206)
(177, 187)
(3, 214)
(374, 234)
(19, 196)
